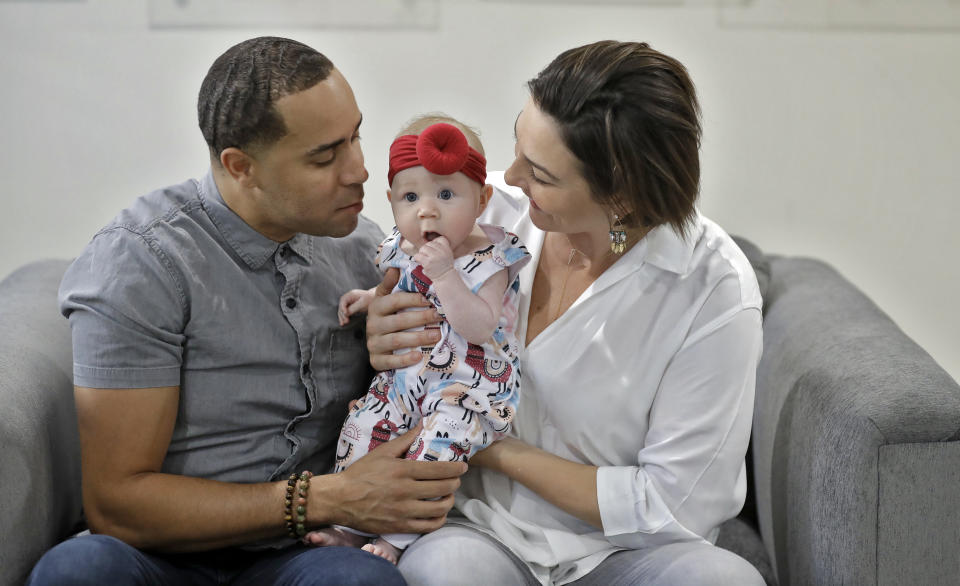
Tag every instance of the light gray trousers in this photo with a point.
(460, 556)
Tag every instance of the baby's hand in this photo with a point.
(353, 301)
(435, 257)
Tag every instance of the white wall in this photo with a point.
(840, 145)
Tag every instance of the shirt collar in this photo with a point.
(668, 250)
(251, 246)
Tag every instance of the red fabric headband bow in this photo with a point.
(441, 149)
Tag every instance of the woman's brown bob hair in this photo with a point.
(630, 115)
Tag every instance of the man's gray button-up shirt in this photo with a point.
(179, 291)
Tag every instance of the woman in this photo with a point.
(643, 331)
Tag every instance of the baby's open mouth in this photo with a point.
(429, 236)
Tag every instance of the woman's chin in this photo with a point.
(539, 219)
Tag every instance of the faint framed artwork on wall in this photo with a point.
(357, 14)
(652, 3)
(920, 15)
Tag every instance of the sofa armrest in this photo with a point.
(855, 441)
(39, 451)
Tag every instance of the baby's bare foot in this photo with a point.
(384, 549)
(334, 536)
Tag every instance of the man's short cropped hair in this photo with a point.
(236, 103)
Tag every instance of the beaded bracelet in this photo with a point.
(295, 520)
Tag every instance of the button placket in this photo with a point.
(290, 305)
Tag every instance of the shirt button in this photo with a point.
(284, 250)
(291, 302)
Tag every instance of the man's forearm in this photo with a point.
(178, 513)
(124, 437)
(125, 434)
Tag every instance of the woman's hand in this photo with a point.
(387, 322)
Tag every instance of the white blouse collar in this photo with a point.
(669, 251)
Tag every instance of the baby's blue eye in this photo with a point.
(410, 197)
(445, 194)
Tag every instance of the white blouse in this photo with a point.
(650, 376)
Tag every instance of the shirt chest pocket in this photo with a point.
(348, 371)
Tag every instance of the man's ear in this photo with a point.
(485, 194)
(239, 165)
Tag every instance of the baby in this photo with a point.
(466, 388)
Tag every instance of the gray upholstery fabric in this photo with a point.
(738, 536)
(917, 535)
(39, 456)
(837, 381)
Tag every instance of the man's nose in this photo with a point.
(354, 172)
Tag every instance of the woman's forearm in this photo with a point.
(568, 485)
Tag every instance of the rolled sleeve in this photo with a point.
(628, 502)
(126, 314)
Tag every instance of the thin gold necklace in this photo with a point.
(566, 277)
(563, 286)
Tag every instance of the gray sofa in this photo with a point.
(855, 452)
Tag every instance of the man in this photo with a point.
(208, 362)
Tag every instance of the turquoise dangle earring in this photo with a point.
(618, 236)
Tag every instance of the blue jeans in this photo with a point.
(99, 559)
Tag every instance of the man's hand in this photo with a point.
(384, 493)
(387, 322)
(436, 258)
